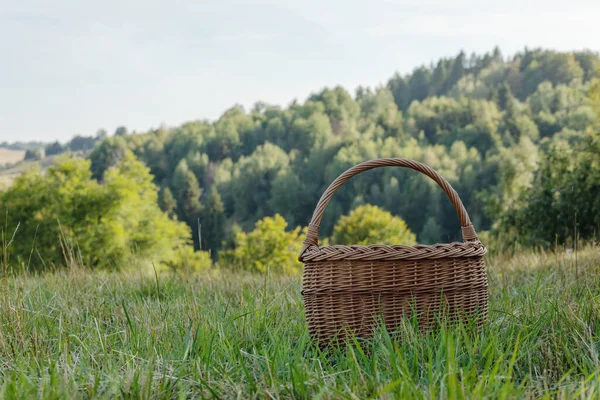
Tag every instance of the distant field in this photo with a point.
(11, 156)
(78, 333)
(8, 175)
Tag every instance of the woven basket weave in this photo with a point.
(347, 289)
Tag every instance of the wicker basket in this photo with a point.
(346, 289)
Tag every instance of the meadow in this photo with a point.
(74, 333)
(215, 213)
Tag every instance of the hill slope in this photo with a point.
(487, 123)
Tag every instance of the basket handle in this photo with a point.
(312, 237)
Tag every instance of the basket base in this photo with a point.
(337, 316)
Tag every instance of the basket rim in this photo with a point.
(383, 252)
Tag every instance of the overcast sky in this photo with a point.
(73, 66)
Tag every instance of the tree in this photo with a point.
(505, 96)
(121, 131)
(178, 179)
(439, 78)
(81, 143)
(190, 207)
(566, 192)
(66, 216)
(33, 155)
(588, 61)
(252, 182)
(419, 84)
(457, 71)
(497, 54)
(368, 224)
(213, 222)
(401, 92)
(555, 67)
(107, 155)
(480, 120)
(291, 197)
(339, 105)
(267, 247)
(101, 134)
(431, 232)
(189, 260)
(54, 148)
(594, 94)
(167, 202)
(517, 122)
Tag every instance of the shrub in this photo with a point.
(65, 211)
(268, 246)
(188, 260)
(54, 149)
(33, 155)
(368, 224)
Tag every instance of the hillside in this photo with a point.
(495, 127)
(11, 156)
(484, 122)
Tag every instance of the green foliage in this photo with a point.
(485, 122)
(431, 232)
(108, 154)
(213, 222)
(81, 143)
(187, 260)
(447, 120)
(33, 154)
(54, 149)
(564, 201)
(64, 215)
(167, 202)
(267, 248)
(368, 224)
(101, 134)
(252, 181)
(121, 131)
(556, 67)
(190, 193)
(594, 94)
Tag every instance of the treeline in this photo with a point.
(517, 138)
(21, 145)
(485, 123)
(78, 144)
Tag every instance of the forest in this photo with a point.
(518, 137)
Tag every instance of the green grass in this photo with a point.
(74, 333)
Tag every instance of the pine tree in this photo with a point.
(189, 205)
(179, 177)
(438, 79)
(430, 233)
(497, 54)
(505, 97)
(167, 202)
(54, 148)
(419, 83)
(508, 103)
(108, 154)
(400, 91)
(213, 222)
(458, 70)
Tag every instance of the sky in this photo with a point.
(71, 67)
